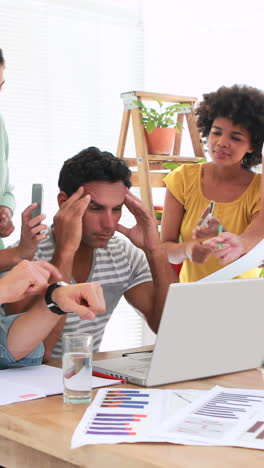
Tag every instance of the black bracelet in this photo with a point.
(48, 299)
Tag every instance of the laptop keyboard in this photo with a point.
(139, 369)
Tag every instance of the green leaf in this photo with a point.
(170, 165)
(153, 118)
(150, 125)
(139, 104)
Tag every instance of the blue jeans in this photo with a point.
(6, 359)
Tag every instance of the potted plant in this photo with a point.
(160, 126)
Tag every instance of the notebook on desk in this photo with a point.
(206, 329)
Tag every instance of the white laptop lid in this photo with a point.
(206, 329)
(209, 329)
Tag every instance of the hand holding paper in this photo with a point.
(232, 247)
(248, 261)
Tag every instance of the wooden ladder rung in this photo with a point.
(160, 158)
(159, 96)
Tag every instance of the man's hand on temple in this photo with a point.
(145, 233)
(68, 222)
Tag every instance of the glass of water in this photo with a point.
(77, 367)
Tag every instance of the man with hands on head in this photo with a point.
(94, 186)
(21, 336)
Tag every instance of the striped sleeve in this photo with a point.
(139, 267)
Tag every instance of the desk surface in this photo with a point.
(37, 433)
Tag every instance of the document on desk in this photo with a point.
(129, 415)
(219, 417)
(223, 416)
(10, 393)
(36, 382)
(43, 379)
(250, 260)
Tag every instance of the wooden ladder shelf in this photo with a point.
(145, 163)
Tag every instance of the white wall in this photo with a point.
(195, 46)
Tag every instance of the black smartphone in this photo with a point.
(37, 196)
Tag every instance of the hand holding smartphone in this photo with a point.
(206, 215)
(37, 196)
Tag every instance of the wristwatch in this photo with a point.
(48, 298)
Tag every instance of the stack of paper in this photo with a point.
(221, 416)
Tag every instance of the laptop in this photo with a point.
(206, 329)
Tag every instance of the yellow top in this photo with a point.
(185, 183)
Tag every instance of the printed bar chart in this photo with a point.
(114, 424)
(229, 406)
(125, 399)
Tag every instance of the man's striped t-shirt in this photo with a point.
(117, 267)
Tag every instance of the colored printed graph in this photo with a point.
(255, 433)
(125, 399)
(118, 423)
(114, 424)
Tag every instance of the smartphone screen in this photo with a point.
(37, 195)
(207, 214)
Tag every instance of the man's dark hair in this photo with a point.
(244, 105)
(2, 60)
(91, 165)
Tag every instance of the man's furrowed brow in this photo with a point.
(99, 205)
(95, 203)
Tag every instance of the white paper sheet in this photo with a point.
(250, 260)
(38, 381)
(216, 418)
(45, 379)
(10, 393)
(129, 415)
(251, 434)
(220, 417)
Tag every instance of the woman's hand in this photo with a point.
(6, 224)
(197, 252)
(31, 233)
(210, 230)
(227, 247)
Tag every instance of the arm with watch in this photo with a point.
(28, 278)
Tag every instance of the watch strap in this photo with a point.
(48, 298)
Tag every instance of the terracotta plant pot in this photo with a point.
(160, 140)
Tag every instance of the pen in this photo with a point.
(220, 229)
(106, 376)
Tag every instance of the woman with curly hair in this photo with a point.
(232, 120)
